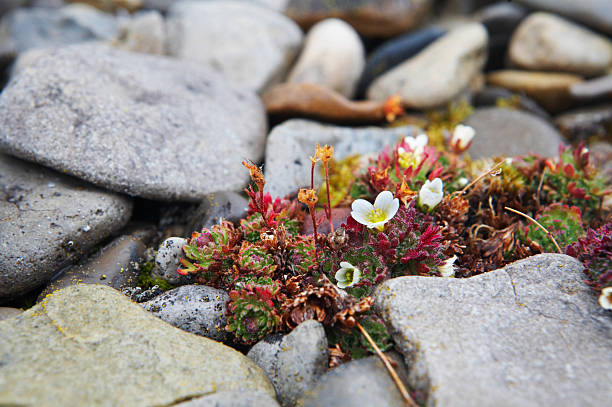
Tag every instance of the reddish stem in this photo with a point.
(328, 207)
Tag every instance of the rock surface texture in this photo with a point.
(438, 73)
(47, 222)
(289, 145)
(594, 13)
(531, 334)
(112, 353)
(252, 46)
(134, 123)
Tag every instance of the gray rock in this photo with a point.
(492, 95)
(530, 334)
(438, 73)
(117, 109)
(289, 145)
(333, 56)
(593, 89)
(295, 362)
(232, 399)
(168, 260)
(595, 13)
(41, 27)
(89, 345)
(164, 5)
(48, 221)
(144, 32)
(510, 132)
(8, 312)
(227, 205)
(193, 308)
(546, 42)
(8, 5)
(363, 382)
(581, 124)
(116, 266)
(251, 45)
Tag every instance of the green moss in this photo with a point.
(146, 280)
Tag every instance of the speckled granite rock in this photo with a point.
(141, 124)
(531, 334)
(47, 222)
(89, 345)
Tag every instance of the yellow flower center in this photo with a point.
(406, 159)
(376, 215)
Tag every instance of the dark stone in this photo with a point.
(581, 124)
(491, 96)
(394, 52)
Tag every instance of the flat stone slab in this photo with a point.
(530, 334)
(289, 145)
(89, 345)
(140, 124)
(48, 221)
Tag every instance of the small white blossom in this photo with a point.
(348, 275)
(375, 216)
(417, 145)
(605, 299)
(431, 193)
(462, 137)
(447, 269)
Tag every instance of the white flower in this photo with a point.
(375, 216)
(431, 193)
(348, 275)
(417, 145)
(462, 137)
(605, 299)
(447, 269)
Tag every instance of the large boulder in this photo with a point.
(145, 125)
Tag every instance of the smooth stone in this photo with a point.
(394, 52)
(116, 109)
(227, 205)
(592, 89)
(30, 28)
(577, 125)
(549, 90)
(193, 308)
(307, 100)
(545, 42)
(89, 345)
(115, 266)
(289, 145)
(500, 20)
(295, 362)
(363, 382)
(8, 312)
(438, 73)
(530, 334)
(112, 6)
(332, 56)
(168, 260)
(48, 221)
(491, 96)
(510, 132)
(601, 153)
(143, 32)
(594, 13)
(164, 5)
(232, 399)
(252, 46)
(371, 18)
(8, 5)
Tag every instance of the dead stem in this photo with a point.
(402, 389)
(481, 176)
(540, 187)
(538, 225)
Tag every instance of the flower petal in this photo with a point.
(346, 265)
(383, 200)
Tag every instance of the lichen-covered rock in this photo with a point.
(89, 345)
(530, 334)
(193, 308)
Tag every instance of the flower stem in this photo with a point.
(538, 224)
(328, 207)
(400, 386)
(481, 176)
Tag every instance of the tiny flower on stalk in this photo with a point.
(447, 269)
(324, 153)
(393, 108)
(431, 194)
(605, 299)
(348, 275)
(417, 145)
(462, 137)
(375, 216)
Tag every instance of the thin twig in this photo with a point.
(481, 176)
(392, 372)
(538, 225)
(540, 187)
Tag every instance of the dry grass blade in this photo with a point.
(392, 372)
(538, 225)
